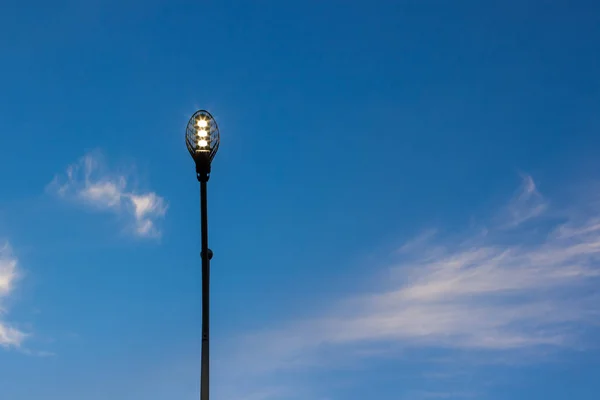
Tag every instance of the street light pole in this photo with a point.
(202, 140)
(206, 255)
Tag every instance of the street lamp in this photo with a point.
(202, 141)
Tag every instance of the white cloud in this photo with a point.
(527, 204)
(9, 336)
(146, 207)
(484, 293)
(88, 182)
(418, 242)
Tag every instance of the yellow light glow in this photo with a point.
(202, 133)
(202, 143)
(202, 123)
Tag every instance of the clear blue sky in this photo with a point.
(405, 205)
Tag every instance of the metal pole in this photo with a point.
(204, 372)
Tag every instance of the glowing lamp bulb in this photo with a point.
(202, 143)
(202, 123)
(201, 132)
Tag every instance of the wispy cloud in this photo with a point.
(478, 293)
(9, 336)
(527, 204)
(88, 181)
(419, 242)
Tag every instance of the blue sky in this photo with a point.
(405, 204)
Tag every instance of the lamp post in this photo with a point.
(202, 141)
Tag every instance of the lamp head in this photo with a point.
(202, 141)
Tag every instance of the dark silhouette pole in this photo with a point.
(202, 141)
(206, 256)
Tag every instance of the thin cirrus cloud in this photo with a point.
(87, 182)
(478, 293)
(527, 204)
(9, 336)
